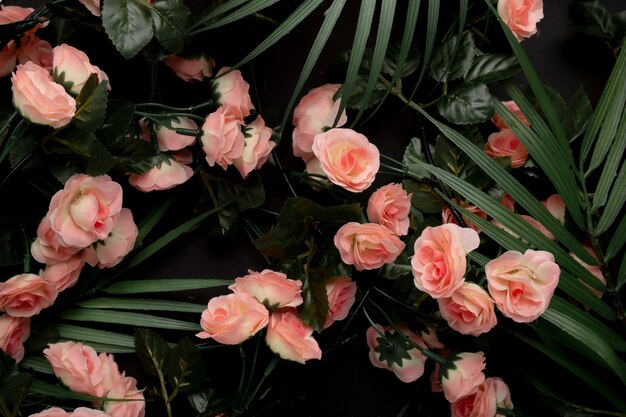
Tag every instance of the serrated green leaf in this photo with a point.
(247, 194)
(143, 304)
(152, 351)
(423, 196)
(185, 368)
(469, 103)
(578, 115)
(91, 105)
(100, 160)
(450, 62)
(117, 121)
(489, 68)
(131, 319)
(315, 306)
(414, 150)
(163, 285)
(128, 24)
(171, 19)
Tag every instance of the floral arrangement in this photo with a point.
(474, 267)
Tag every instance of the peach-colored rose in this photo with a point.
(492, 394)
(78, 366)
(124, 387)
(522, 284)
(462, 374)
(232, 93)
(408, 369)
(315, 113)
(92, 5)
(190, 69)
(497, 120)
(469, 310)
(521, 16)
(290, 338)
(555, 205)
(39, 99)
(169, 140)
(257, 147)
(14, 331)
(168, 175)
(231, 319)
(79, 412)
(508, 201)
(390, 206)
(64, 274)
(12, 14)
(367, 246)
(271, 288)
(439, 262)
(8, 58)
(429, 335)
(25, 295)
(505, 144)
(222, 138)
(347, 158)
(594, 269)
(341, 294)
(111, 251)
(447, 216)
(73, 66)
(36, 50)
(85, 210)
(534, 223)
(48, 247)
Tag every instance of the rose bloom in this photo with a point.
(12, 14)
(190, 69)
(469, 310)
(25, 295)
(447, 216)
(86, 209)
(124, 387)
(367, 246)
(390, 206)
(522, 284)
(508, 202)
(315, 113)
(14, 331)
(341, 292)
(439, 263)
(39, 99)
(64, 274)
(555, 205)
(290, 338)
(48, 247)
(36, 50)
(232, 93)
(8, 58)
(222, 138)
(347, 158)
(521, 16)
(168, 175)
(111, 251)
(410, 369)
(594, 269)
(257, 147)
(233, 318)
(73, 66)
(92, 5)
(78, 366)
(79, 412)
(462, 375)
(169, 140)
(534, 223)
(504, 144)
(492, 394)
(271, 288)
(497, 120)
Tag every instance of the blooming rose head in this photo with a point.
(25, 295)
(290, 338)
(555, 205)
(534, 223)
(190, 69)
(341, 294)
(79, 412)
(367, 246)
(36, 50)
(222, 138)
(111, 251)
(124, 387)
(48, 247)
(347, 158)
(521, 16)
(73, 67)
(14, 331)
(497, 120)
(257, 147)
(168, 139)
(439, 263)
(64, 274)
(12, 14)
(492, 394)
(462, 374)
(168, 175)
(233, 318)
(318, 179)
(39, 99)
(394, 353)
(390, 206)
(447, 216)
(504, 144)
(522, 284)
(594, 269)
(232, 93)
(315, 113)
(78, 366)
(92, 5)
(271, 288)
(469, 310)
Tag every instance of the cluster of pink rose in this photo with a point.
(268, 299)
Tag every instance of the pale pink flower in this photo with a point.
(168, 175)
(222, 138)
(73, 66)
(290, 338)
(190, 69)
(534, 223)
(469, 310)
(124, 387)
(78, 412)
(8, 58)
(555, 205)
(462, 375)
(367, 246)
(232, 92)
(14, 331)
(12, 14)
(429, 335)
(78, 366)
(111, 251)
(447, 216)
(92, 5)
(492, 394)
(497, 120)
(341, 294)
(521, 16)
(594, 269)
(390, 206)
(64, 274)
(257, 147)
(36, 50)
(168, 139)
(271, 288)
(504, 144)
(25, 295)
(48, 247)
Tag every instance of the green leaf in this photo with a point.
(19, 148)
(243, 12)
(614, 203)
(171, 19)
(469, 103)
(450, 62)
(148, 223)
(37, 364)
(88, 335)
(152, 350)
(91, 105)
(423, 196)
(595, 19)
(163, 285)
(185, 369)
(100, 160)
(621, 275)
(246, 194)
(611, 165)
(315, 306)
(489, 68)
(131, 319)
(128, 24)
(414, 151)
(432, 21)
(117, 121)
(617, 240)
(60, 392)
(578, 115)
(143, 304)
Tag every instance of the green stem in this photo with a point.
(266, 374)
(156, 117)
(189, 109)
(253, 368)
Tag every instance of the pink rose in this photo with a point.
(290, 338)
(36, 50)
(341, 294)
(367, 246)
(508, 202)
(315, 113)
(25, 295)
(534, 223)
(73, 67)
(347, 158)
(49, 248)
(92, 5)
(232, 93)
(504, 144)
(522, 284)
(64, 274)
(169, 140)
(462, 375)
(8, 58)
(233, 318)
(594, 269)
(555, 205)
(257, 147)
(39, 99)
(492, 394)
(521, 16)
(111, 251)
(497, 120)
(124, 387)
(170, 174)
(78, 366)
(14, 331)
(12, 14)
(469, 310)
(222, 138)
(271, 288)
(407, 369)
(439, 262)
(447, 216)
(190, 69)
(85, 210)
(390, 206)
(79, 412)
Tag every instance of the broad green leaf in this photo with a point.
(23, 141)
(128, 25)
(611, 164)
(614, 203)
(146, 224)
(185, 369)
(60, 392)
(315, 306)
(37, 365)
(91, 105)
(100, 160)
(152, 351)
(88, 335)
(163, 285)
(489, 68)
(617, 240)
(579, 112)
(143, 304)
(450, 62)
(127, 318)
(469, 103)
(595, 19)
(247, 194)
(241, 13)
(423, 196)
(171, 20)
(119, 114)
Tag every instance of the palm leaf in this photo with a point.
(611, 165)
(87, 335)
(254, 6)
(131, 319)
(143, 304)
(617, 240)
(163, 285)
(614, 203)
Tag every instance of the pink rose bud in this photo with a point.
(504, 144)
(111, 251)
(92, 5)
(367, 246)
(25, 295)
(462, 374)
(521, 17)
(341, 294)
(64, 274)
(257, 147)
(439, 263)
(522, 284)
(39, 99)
(222, 138)
(290, 338)
(497, 120)
(14, 331)
(232, 93)
(271, 288)
(190, 69)
(48, 247)
(491, 395)
(555, 205)
(347, 158)
(390, 206)
(233, 318)
(78, 366)
(315, 113)
(170, 174)
(73, 67)
(8, 58)
(469, 310)
(36, 50)
(447, 216)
